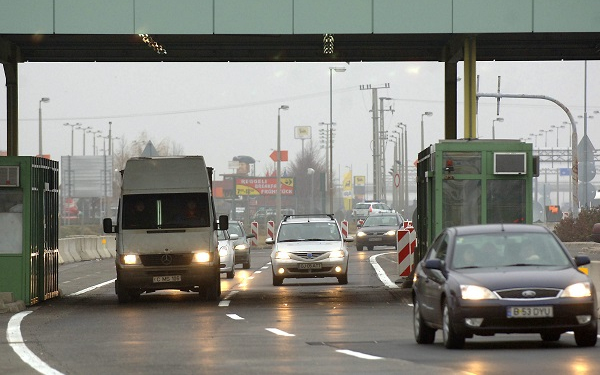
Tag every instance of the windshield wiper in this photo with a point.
(294, 240)
(522, 265)
(467, 267)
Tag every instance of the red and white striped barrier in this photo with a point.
(254, 231)
(360, 223)
(413, 244)
(270, 229)
(407, 223)
(345, 228)
(404, 250)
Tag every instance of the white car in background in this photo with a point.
(366, 208)
(226, 252)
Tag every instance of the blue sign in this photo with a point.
(565, 171)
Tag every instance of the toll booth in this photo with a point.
(473, 181)
(29, 202)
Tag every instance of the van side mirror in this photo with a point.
(107, 225)
(223, 222)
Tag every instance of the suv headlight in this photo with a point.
(390, 233)
(360, 234)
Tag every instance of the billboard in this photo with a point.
(263, 186)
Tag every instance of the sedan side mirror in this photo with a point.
(434, 264)
(582, 260)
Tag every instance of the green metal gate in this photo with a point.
(29, 202)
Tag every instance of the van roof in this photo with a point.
(174, 173)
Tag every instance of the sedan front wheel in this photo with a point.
(423, 333)
(452, 340)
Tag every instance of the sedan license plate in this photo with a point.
(166, 279)
(530, 312)
(375, 239)
(309, 266)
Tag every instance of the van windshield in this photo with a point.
(157, 211)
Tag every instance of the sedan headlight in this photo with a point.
(282, 255)
(336, 254)
(390, 233)
(223, 251)
(242, 247)
(360, 234)
(131, 259)
(475, 292)
(201, 257)
(577, 290)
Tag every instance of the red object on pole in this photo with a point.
(284, 155)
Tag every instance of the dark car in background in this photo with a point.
(502, 278)
(379, 230)
(595, 236)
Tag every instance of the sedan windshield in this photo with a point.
(508, 250)
(311, 231)
(381, 221)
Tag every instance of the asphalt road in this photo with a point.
(306, 326)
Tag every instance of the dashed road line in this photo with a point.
(82, 291)
(280, 332)
(358, 354)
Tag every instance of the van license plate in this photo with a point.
(166, 279)
(309, 266)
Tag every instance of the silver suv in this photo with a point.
(366, 208)
(309, 246)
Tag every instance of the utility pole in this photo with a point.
(377, 183)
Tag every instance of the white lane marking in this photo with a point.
(257, 271)
(265, 267)
(14, 338)
(358, 354)
(91, 288)
(231, 294)
(380, 272)
(235, 316)
(224, 303)
(279, 332)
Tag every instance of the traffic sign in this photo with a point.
(284, 155)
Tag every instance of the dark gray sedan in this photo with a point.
(502, 278)
(379, 230)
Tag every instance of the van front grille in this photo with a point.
(158, 260)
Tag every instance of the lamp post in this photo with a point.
(557, 127)
(94, 138)
(278, 197)
(499, 119)
(42, 100)
(405, 163)
(84, 129)
(545, 133)
(428, 114)
(72, 132)
(339, 70)
(311, 173)
(534, 138)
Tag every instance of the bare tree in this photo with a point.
(307, 169)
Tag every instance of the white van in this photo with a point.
(166, 228)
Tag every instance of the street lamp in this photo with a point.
(557, 127)
(545, 132)
(429, 114)
(72, 131)
(83, 131)
(339, 70)
(42, 100)
(94, 138)
(278, 198)
(311, 173)
(405, 163)
(499, 119)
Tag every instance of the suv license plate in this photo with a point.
(530, 312)
(309, 266)
(166, 279)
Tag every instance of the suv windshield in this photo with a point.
(309, 231)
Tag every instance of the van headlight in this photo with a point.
(577, 290)
(131, 259)
(201, 257)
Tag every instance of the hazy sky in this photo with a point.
(222, 110)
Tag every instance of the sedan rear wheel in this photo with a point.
(587, 336)
(452, 340)
(423, 333)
